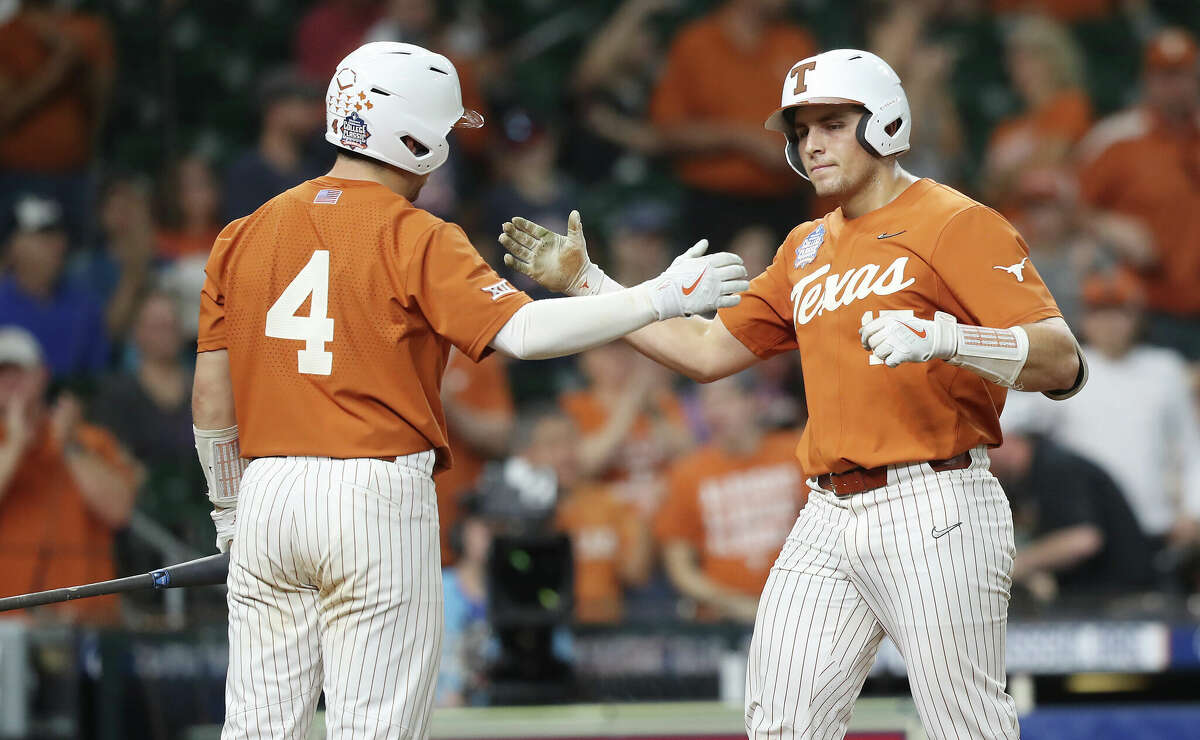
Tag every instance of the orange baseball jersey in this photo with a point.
(338, 301)
(603, 529)
(930, 249)
(736, 510)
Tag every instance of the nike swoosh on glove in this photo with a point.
(697, 283)
(896, 340)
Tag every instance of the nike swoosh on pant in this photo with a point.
(939, 532)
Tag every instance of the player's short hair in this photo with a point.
(356, 156)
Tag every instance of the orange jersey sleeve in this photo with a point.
(763, 319)
(461, 297)
(338, 302)
(211, 334)
(985, 265)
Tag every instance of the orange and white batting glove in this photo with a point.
(909, 339)
(997, 355)
(697, 283)
(558, 262)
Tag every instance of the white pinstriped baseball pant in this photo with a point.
(335, 584)
(858, 567)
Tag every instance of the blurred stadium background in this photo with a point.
(608, 526)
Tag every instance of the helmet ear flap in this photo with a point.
(792, 150)
(861, 134)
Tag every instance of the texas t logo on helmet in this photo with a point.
(385, 93)
(846, 76)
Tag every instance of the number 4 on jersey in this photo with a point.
(315, 329)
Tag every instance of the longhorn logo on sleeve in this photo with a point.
(1017, 270)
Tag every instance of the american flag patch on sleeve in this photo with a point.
(327, 196)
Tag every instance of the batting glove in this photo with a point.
(897, 340)
(697, 283)
(225, 519)
(557, 262)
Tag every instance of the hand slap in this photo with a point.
(556, 261)
(697, 283)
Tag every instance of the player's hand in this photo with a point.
(558, 262)
(896, 340)
(697, 283)
(225, 519)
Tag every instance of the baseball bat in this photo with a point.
(207, 571)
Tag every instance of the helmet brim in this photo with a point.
(778, 121)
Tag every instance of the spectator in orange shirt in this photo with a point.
(609, 539)
(632, 423)
(1143, 166)
(479, 418)
(722, 72)
(56, 73)
(1046, 69)
(730, 505)
(1065, 242)
(65, 486)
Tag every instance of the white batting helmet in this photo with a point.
(847, 76)
(384, 91)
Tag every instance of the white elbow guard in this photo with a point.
(997, 355)
(221, 459)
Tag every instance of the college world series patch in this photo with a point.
(807, 251)
(354, 131)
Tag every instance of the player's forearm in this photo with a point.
(678, 344)
(1053, 363)
(564, 326)
(212, 392)
(1058, 550)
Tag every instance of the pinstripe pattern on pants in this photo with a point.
(335, 585)
(858, 567)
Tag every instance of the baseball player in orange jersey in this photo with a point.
(325, 322)
(914, 310)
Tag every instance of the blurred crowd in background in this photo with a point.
(132, 131)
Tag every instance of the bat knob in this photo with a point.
(162, 579)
